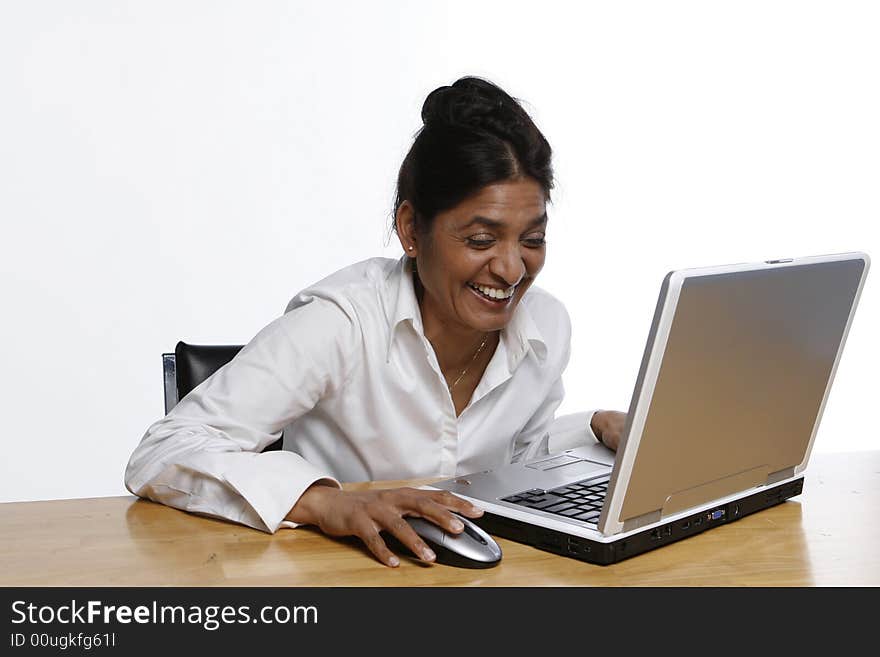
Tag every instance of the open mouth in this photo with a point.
(493, 294)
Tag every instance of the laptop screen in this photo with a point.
(747, 363)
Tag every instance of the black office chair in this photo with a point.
(189, 365)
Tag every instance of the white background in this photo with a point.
(178, 170)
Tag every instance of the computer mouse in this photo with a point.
(472, 548)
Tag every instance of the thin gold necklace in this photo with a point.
(464, 371)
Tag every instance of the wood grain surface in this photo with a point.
(828, 536)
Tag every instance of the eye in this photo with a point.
(481, 240)
(535, 240)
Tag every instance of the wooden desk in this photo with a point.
(829, 535)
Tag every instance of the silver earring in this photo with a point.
(410, 248)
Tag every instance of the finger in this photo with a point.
(402, 531)
(375, 544)
(457, 504)
(440, 515)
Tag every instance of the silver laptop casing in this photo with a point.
(736, 373)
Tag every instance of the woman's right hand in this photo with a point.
(366, 513)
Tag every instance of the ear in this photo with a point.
(405, 221)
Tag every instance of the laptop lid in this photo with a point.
(735, 375)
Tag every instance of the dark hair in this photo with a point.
(474, 135)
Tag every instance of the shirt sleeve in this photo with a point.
(544, 429)
(205, 455)
(533, 441)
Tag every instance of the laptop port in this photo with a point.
(686, 524)
(668, 530)
(655, 534)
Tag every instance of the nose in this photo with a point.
(508, 265)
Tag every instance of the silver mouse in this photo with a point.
(472, 548)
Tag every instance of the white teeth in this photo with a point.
(494, 292)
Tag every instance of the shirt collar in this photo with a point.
(522, 335)
(404, 305)
(519, 336)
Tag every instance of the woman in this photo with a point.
(445, 362)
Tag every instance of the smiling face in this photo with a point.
(480, 257)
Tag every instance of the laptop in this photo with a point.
(735, 375)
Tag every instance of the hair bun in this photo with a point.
(474, 135)
(474, 103)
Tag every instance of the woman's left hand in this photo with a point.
(608, 427)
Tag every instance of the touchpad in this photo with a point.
(566, 461)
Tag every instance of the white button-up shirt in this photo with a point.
(349, 377)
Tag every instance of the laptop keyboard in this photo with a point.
(581, 500)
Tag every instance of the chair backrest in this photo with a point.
(189, 365)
